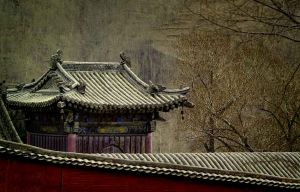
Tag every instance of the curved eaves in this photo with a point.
(145, 85)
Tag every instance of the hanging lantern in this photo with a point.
(61, 104)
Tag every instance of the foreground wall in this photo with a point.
(19, 175)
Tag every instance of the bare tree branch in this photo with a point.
(277, 120)
(234, 130)
(227, 145)
(259, 19)
(290, 80)
(227, 27)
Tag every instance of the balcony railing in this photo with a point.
(48, 141)
(92, 143)
(111, 144)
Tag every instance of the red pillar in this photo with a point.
(71, 147)
(27, 137)
(149, 143)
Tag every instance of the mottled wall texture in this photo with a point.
(95, 30)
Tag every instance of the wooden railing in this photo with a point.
(93, 143)
(111, 144)
(48, 141)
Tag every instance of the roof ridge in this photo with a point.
(39, 83)
(135, 77)
(51, 72)
(28, 85)
(67, 75)
(90, 62)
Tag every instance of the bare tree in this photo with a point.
(284, 110)
(248, 93)
(277, 18)
(221, 89)
(235, 90)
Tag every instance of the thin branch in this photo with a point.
(240, 31)
(277, 9)
(226, 106)
(277, 120)
(259, 19)
(284, 12)
(227, 145)
(290, 80)
(293, 120)
(242, 138)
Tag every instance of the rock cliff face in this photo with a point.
(94, 31)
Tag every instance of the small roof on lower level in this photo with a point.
(97, 86)
(274, 169)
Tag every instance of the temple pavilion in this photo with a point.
(93, 107)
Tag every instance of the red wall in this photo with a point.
(22, 176)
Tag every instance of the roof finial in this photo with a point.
(125, 59)
(155, 88)
(20, 86)
(81, 87)
(56, 58)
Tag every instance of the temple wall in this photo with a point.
(33, 175)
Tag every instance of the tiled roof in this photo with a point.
(268, 163)
(277, 169)
(7, 129)
(109, 86)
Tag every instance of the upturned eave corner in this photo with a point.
(159, 88)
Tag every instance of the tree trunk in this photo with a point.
(210, 144)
